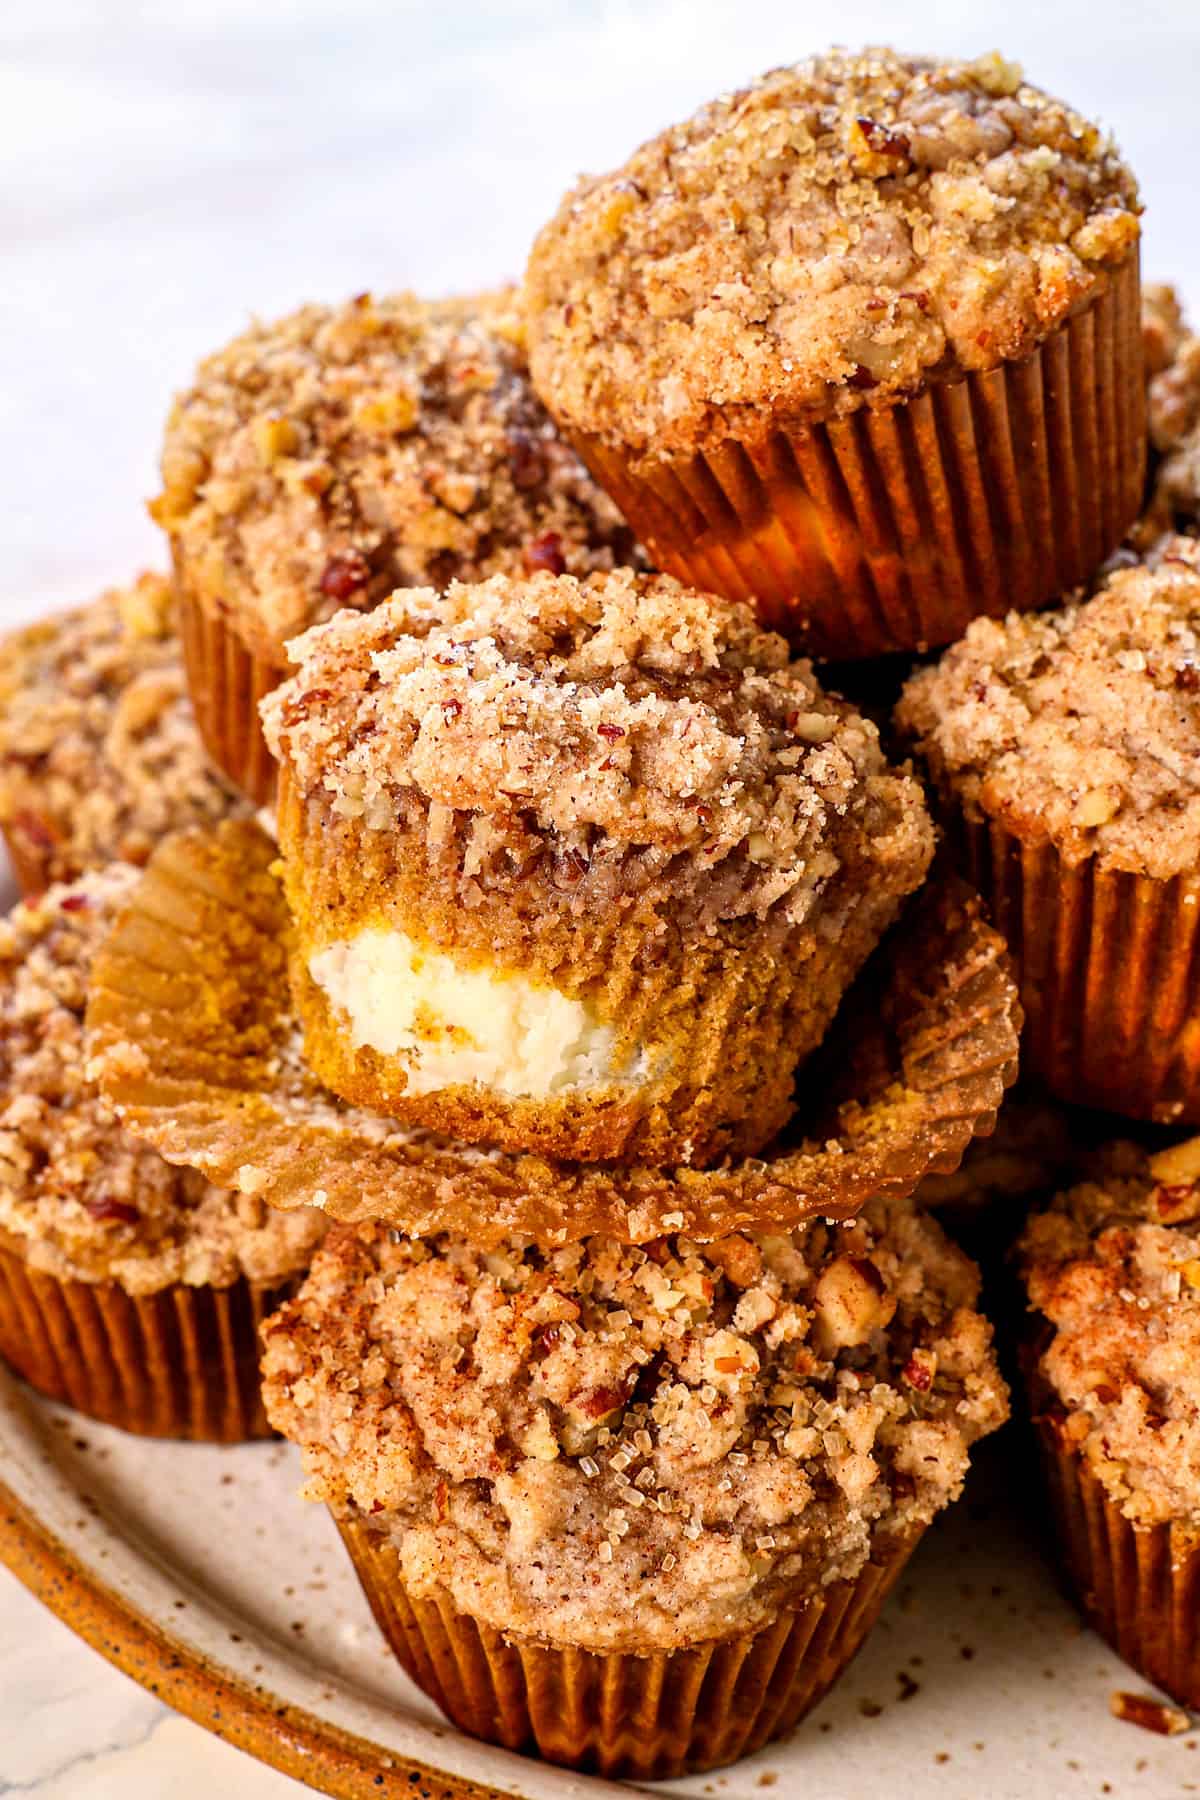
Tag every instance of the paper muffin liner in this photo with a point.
(1109, 967)
(630, 1717)
(226, 681)
(195, 1043)
(892, 528)
(728, 1014)
(1139, 1586)
(181, 1363)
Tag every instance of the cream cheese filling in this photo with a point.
(454, 1025)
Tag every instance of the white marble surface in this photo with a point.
(166, 171)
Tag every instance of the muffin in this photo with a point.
(1175, 413)
(321, 461)
(578, 867)
(99, 754)
(859, 343)
(1113, 1275)
(131, 1290)
(1064, 749)
(634, 1509)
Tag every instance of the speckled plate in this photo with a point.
(200, 1573)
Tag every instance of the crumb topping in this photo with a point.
(99, 753)
(623, 709)
(1079, 724)
(827, 237)
(1163, 328)
(1174, 407)
(1114, 1266)
(619, 1447)
(80, 1198)
(323, 460)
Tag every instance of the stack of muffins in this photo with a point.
(572, 965)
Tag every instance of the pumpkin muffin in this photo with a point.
(99, 753)
(131, 1289)
(1175, 412)
(859, 343)
(578, 867)
(634, 1508)
(323, 460)
(1112, 1269)
(1064, 749)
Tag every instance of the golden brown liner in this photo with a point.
(1109, 965)
(182, 1363)
(226, 681)
(195, 1044)
(1139, 1586)
(892, 528)
(633, 1718)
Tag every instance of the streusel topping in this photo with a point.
(99, 754)
(1080, 724)
(1174, 408)
(827, 237)
(322, 461)
(79, 1197)
(1114, 1266)
(1164, 329)
(625, 707)
(618, 1447)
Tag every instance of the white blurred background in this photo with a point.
(167, 170)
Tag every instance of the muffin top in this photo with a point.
(1082, 724)
(621, 713)
(79, 1198)
(1114, 1266)
(831, 235)
(637, 1448)
(99, 754)
(1174, 408)
(324, 460)
(1164, 329)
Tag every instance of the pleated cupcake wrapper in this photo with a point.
(195, 1043)
(182, 1363)
(630, 1717)
(892, 528)
(1138, 1585)
(730, 1016)
(226, 681)
(1109, 967)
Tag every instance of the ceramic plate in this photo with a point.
(202, 1574)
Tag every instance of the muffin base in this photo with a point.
(226, 681)
(182, 1363)
(892, 528)
(1109, 968)
(194, 1039)
(729, 1014)
(629, 1717)
(1138, 1586)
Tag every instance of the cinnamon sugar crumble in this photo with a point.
(325, 459)
(1080, 723)
(80, 1198)
(620, 1447)
(1114, 1266)
(623, 708)
(99, 754)
(823, 239)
